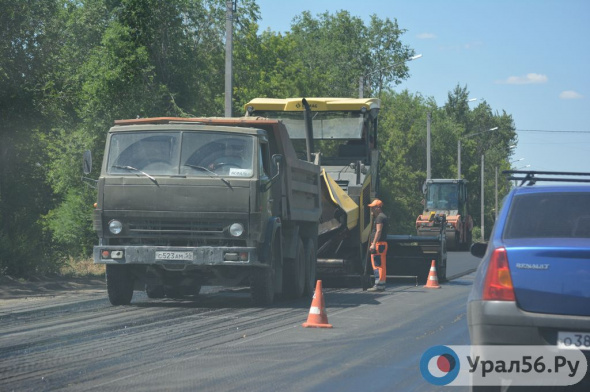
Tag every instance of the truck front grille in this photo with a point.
(174, 228)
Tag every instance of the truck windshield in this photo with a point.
(326, 125)
(198, 154)
(339, 136)
(442, 196)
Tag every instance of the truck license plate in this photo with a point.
(166, 255)
(573, 340)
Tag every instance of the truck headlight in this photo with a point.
(115, 226)
(236, 230)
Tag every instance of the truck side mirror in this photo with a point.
(87, 164)
(277, 160)
(478, 249)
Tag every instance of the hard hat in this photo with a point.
(376, 203)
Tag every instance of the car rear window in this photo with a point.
(549, 215)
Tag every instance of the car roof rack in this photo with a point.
(528, 177)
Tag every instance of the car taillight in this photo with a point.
(498, 284)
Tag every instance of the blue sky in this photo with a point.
(530, 58)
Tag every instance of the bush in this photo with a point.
(476, 234)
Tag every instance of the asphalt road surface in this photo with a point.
(220, 342)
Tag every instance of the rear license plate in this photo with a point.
(573, 340)
(165, 255)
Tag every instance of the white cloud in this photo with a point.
(570, 94)
(531, 78)
(473, 45)
(426, 36)
(461, 47)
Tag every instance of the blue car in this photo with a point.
(532, 286)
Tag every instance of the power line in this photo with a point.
(549, 131)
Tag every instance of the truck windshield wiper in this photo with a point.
(211, 173)
(137, 170)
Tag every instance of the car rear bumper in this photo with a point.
(503, 323)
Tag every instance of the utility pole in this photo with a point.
(428, 172)
(361, 87)
(229, 45)
(459, 158)
(482, 203)
(496, 193)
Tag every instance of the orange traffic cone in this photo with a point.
(317, 313)
(432, 282)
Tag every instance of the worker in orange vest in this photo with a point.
(378, 245)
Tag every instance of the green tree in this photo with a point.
(386, 60)
(477, 139)
(25, 51)
(323, 56)
(265, 67)
(402, 143)
(139, 58)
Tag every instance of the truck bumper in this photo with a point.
(189, 256)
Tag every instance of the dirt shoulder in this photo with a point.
(11, 288)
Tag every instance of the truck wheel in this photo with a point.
(310, 267)
(456, 243)
(261, 287)
(294, 274)
(468, 240)
(119, 284)
(154, 291)
(194, 290)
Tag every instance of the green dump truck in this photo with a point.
(187, 202)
